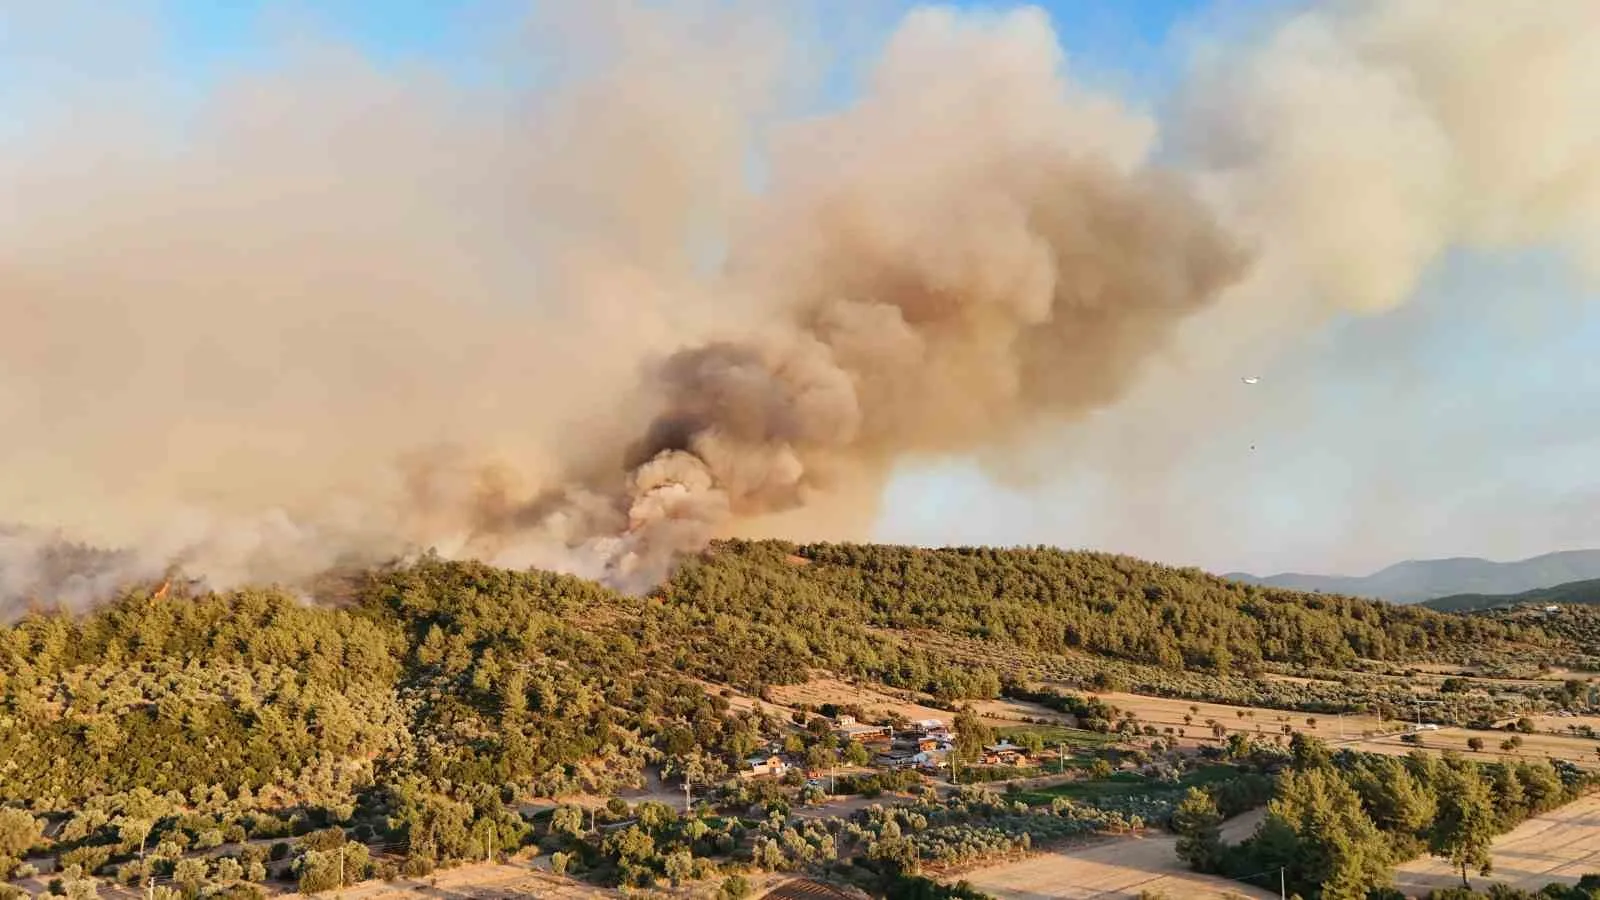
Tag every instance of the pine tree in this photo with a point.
(1465, 826)
(1198, 825)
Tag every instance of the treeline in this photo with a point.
(1573, 592)
(1587, 888)
(1339, 822)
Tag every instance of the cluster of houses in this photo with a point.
(924, 745)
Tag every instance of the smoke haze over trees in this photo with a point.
(331, 312)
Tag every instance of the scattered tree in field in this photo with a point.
(1198, 825)
(1465, 825)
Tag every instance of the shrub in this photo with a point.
(326, 839)
(734, 887)
(89, 859)
(229, 869)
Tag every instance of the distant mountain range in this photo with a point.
(1414, 581)
(1575, 592)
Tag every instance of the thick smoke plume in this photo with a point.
(337, 311)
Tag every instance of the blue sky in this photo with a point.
(1122, 42)
(1485, 385)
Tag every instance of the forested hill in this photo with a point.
(1417, 580)
(435, 685)
(1054, 601)
(1576, 592)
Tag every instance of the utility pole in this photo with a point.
(1283, 885)
(1061, 758)
(150, 886)
(341, 867)
(686, 796)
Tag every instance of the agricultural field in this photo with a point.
(1564, 723)
(878, 702)
(1124, 784)
(1559, 846)
(1164, 712)
(1583, 752)
(1118, 867)
(1052, 735)
(1358, 732)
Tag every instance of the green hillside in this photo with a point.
(464, 672)
(1052, 601)
(1575, 592)
(437, 692)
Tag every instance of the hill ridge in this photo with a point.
(1416, 580)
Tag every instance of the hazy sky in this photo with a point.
(1466, 422)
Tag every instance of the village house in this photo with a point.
(770, 764)
(932, 728)
(1004, 753)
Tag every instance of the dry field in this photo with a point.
(1356, 731)
(1560, 723)
(480, 882)
(1114, 869)
(876, 702)
(1561, 845)
(1163, 712)
(1580, 751)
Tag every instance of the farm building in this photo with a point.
(849, 729)
(1004, 753)
(766, 765)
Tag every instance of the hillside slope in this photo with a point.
(1052, 601)
(1584, 593)
(1416, 580)
(451, 683)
